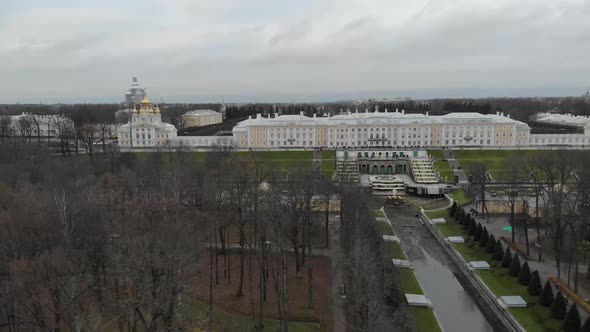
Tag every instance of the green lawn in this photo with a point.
(442, 166)
(533, 318)
(383, 228)
(394, 250)
(378, 213)
(425, 320)
(460, 196)
(328, 162)
(197, 312)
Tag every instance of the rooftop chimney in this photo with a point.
(300, 112)
(249, 116)
(403, 111)
(314, 114)
(397, 110)
(386, 110)
(258, 115)
(426, 113)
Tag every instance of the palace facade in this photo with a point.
(388, 129)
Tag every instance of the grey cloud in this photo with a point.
(329, 48)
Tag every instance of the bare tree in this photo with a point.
(89, 135)
(25, 126)
(556, 172)
(5, 127)
(65, 133)
(37, 126)
(479, 182)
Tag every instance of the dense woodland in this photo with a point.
(116, 241)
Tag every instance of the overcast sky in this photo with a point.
(296, 50)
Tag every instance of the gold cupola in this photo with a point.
(146, 105)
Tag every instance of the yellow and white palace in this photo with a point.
(384, 129)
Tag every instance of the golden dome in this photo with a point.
(146, 101)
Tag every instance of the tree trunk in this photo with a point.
(512, 221)
(242, 260)
(297, 261)
(216, 260)
(210, 280)
(327, 224)
(310, 288)
(526, 236)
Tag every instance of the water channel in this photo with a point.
(454, 307)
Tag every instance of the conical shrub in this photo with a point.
(572, 321)
(453, 209)
(478, 232)
(559, 307)
(468, 222)
(514, 266)
(546, 297)
(472, 228)
(534, 288)
(483, 240)
(507, 259)
(524, 275)
(491, 244)
(498, 251)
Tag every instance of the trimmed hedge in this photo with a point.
(507, 259)
(525, 274)
(534, 288)
(498, 251)
(514, 266)
(546, 297)
(572, 321)
(491, 244)
(559, 307)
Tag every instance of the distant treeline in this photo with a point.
(518, 108)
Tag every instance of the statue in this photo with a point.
(394, 200)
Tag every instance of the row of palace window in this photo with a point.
(149, 135)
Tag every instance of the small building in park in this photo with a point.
(199, 118)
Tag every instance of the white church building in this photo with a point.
(146, 129)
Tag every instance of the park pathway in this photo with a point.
(454, 165)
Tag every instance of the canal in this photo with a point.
(454, 306)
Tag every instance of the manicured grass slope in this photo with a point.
(460, 196)
(442, 166)
(534, 318)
